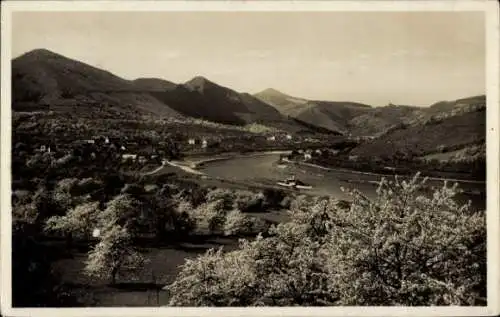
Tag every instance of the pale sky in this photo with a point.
(372, 57)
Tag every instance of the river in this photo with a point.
(265, 169)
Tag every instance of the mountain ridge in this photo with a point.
(45, 80)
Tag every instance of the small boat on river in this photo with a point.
(294, 183)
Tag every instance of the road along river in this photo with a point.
(266, 170)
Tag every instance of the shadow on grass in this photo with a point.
(119, 286)
(137, 286)
(174, 242)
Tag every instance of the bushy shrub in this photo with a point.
(87, 186)
(226, 196)
(273, 197)
(181, 221)
(401, 248)
(237, 223)
(25, 213)
(209, 217)
(248, 201)
(79, 221)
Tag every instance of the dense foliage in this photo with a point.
(82, 195)
(402, 248)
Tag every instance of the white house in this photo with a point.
(106, 140)
(96, 233)
(204, 144)
(308, 154)
(129, 156)
(289, 137)
(43, 148)
(191, 141)
(271, 138)
(91, 141)
(318, 151)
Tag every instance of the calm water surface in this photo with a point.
(264, 169)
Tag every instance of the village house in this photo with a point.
(129, 157)
(204, 144)
(307, 155)
(191, 141)
(44, 148)
(271, 138)
(288, 137)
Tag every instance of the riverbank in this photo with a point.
(198, 161)
(376, 174)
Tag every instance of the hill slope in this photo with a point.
(42, 79)
(378, 120)
(153, 84)
(202, 98)
(449, 130)
(330, 115)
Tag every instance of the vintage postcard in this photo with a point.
(250, 158)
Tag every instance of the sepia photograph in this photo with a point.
(184, 154)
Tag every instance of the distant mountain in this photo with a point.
(331, 115)
(445, 109)
(42, 79)
(202, 98)
(378, 120)
(153, 84)
(362, 120)
(445, 127)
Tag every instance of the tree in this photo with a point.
(401, 248)
(237, 223)
(123, 211)
(79, 221)
(209, 217)
(62, 192)
(404, 248)
(113, 254)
